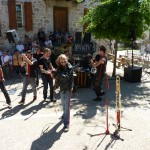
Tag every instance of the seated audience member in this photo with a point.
(17, 60)
(20, 47)
(48, 43)
(10, 63)
(51, 37)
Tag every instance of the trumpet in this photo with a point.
(118, 102)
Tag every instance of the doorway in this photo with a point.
(60, 18)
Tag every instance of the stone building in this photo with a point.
(27, 16)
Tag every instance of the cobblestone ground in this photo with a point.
(37, 126)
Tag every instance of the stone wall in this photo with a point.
(42, 17)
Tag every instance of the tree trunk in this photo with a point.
(114, 65)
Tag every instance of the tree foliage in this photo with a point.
(114, 19)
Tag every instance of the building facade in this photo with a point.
(27, 16)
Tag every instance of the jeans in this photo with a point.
(26, 82)
(65, 100)
(98, 86)
(2, 86)
(47, 80)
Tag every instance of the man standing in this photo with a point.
(37, 55)
(100, 65)
(3, 89)
(30, 77)
(64, 79)
(46, 73)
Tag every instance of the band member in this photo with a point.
(64, 79)
(46, 73)
(37, 55)
(3, 89)
(100, 65)
(30, 65)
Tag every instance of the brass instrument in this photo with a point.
(118, 102)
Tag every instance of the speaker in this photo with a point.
(12, 36)
(78, 36)
(87, 37)
(133, 74)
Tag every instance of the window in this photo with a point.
(19, 15)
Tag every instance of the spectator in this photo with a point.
(20, 47)
(48, 43)
(17, 60)
(51, 37)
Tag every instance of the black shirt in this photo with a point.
(37, 57)
(45, 63)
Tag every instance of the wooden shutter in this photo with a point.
(85, 12)
(28, 16)
(12, 14)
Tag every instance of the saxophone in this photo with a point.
(118, 102)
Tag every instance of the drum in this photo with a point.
(83, 79)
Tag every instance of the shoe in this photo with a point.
(22, 101)
(9, 105)
(53, 100)
(66, 128)
(97, 99)
(102, 93)
(34, 98)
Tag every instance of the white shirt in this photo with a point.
(5, 59)
(49, 42)
(10, 57)
(20, 48)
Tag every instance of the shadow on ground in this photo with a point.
(48, 138)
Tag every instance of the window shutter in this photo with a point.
(28, 15)
(85, 12)
(12, 14)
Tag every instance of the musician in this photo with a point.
(37, 55)
(100, 65)
(64, 79)
(30, 65)
(3, 89)
(46, 73)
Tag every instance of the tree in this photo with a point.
(116, 19)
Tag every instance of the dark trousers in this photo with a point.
(38, 73)
(47, 80)
(2, 86)
(6, 71)
(98, 86)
